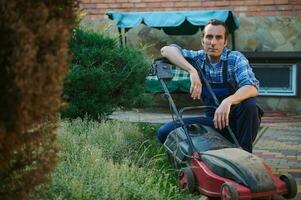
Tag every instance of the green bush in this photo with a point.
(111, 160)
(103, 76)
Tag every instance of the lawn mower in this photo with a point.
(211, 164)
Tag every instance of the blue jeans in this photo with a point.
(244, 120)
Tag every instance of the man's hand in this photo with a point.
(174, 55)
(196, 85)
(221, 115)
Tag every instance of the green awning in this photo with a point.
(174, 22)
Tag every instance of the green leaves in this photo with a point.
(110, 160)
(103, 76)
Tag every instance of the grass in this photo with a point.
(110, 160)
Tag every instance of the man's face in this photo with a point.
(214, 41)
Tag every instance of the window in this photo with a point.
(278, 72)
(276, 79)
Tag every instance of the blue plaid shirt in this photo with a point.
(239, 70)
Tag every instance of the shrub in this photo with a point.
(103, 161)
(102, 77)
(34, 58)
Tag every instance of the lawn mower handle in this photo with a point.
(167, 94)
(161, 69)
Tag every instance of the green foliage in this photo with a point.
(103, 76)
(111, 160)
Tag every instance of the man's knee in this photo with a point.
(250, 105)
(163, 132)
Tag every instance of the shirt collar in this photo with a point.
(224, 55)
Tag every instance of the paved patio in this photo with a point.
(279, 141)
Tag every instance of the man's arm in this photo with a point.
(174, 55)
(221, 116)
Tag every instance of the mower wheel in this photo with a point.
(290, 184)
(186, 180)
(229, 192)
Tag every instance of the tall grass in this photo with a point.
(110, 160)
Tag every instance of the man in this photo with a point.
(232, 80)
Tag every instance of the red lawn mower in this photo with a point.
(211, 164)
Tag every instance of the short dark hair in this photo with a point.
(216, 22)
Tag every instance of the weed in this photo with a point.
(110, 160)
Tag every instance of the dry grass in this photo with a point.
(110, 160)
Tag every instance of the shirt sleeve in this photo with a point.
(187, 53)
(244, 74)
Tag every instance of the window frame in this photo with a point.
(285, 58)
(279, 91)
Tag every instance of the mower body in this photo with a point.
(219, 169)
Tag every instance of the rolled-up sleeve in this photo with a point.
(187, 53)
(244, 74)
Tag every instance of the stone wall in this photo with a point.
(254, 34)
(269, 34)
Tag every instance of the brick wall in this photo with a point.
(98, 8)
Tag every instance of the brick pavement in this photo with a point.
(280, 145)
